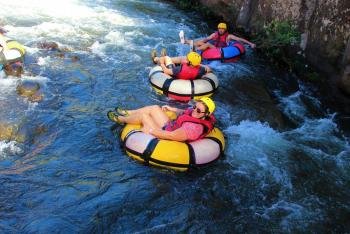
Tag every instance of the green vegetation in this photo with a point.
(303, 70)
(275, 40)
(279, 41)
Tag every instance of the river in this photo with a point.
(286, 167)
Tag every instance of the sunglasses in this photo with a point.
(198, 110)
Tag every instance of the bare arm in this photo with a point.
(207, 68)
(173, 109)
(166, 70)
(163, 61)
(210, 37)
(177, 135)
(233, 37)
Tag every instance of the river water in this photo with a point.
(286, 166)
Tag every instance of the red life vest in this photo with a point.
(188, 72)
(208, 123)
(220, 40)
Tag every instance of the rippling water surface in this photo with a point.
(286, 166)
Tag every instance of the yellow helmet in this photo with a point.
(194, 58)
(209, 103)
(222, 25)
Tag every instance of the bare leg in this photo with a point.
(170, 60)
(200, 44)
(178, 60)
(205, 46)
(195, 43)
(145, 109)
(149, 122)
(150, 115)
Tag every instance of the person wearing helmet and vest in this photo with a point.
(13, 69)
(191, 124)
(186, 68)
(220, 38)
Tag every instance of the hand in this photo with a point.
(146, 130)
(252, 45)
(166, 108)
(169, 108)
(207, 69)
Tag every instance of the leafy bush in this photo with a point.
(275, 40)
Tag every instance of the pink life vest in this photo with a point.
(188, 72)
(208, 123)
(220, 40)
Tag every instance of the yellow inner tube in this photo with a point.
(13, 51)
(179, 156)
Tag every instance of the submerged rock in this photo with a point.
(21, 132)
(14, 69)
(53, 46)
(252, 101)
(10, 132)
(31, 90)
(75, 58)
(48, 45)
(345, 79)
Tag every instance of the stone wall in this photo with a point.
(324, 26)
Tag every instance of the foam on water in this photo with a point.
(117, 38)
(9, 148)
(292, 214)
(37, 78)
(322, 128)
(43, 60)
(319, 137)
(256, 147)
(66, 21)
(256, 135)
(7, 86)
(257, 151)
(97, 48)
(294, 105)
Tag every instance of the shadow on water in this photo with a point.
(285, 168)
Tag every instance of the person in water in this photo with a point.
(11, 56)
(190, 125)
(14, 69)
(220, 38)
(185, 67)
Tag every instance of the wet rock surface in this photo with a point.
(10, 132)
(31, 90)
(251, 95)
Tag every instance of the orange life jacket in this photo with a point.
(188, 72)
(208, 123)
(220, 40)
